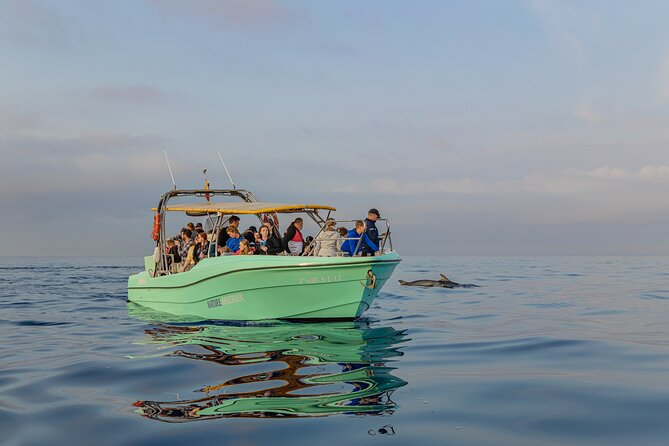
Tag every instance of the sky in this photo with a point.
(528, 127)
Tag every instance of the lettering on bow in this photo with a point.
(320, 279)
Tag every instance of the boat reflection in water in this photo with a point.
(308, 369)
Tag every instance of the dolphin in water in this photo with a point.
(443, 282)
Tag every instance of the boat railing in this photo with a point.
(384, 237)
(162, 265)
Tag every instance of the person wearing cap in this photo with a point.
(371, 230)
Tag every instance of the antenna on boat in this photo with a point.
(170, 168)
(226, 169)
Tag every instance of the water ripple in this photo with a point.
(40, 323)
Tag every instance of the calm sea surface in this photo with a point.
(548, 351)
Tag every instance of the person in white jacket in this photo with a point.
(326, 242)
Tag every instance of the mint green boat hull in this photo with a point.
(267, 287)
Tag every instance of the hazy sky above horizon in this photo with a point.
(512, 127)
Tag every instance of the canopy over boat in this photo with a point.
(245, 208)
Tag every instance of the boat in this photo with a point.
(259, 287)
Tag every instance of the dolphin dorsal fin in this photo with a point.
(444, 278)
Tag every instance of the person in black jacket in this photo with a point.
(274, 234)
(174, 250)
(371, 230)
(201, 246)
(250, 235)
(267, 244)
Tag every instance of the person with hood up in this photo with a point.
(326, 241)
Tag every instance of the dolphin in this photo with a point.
(443, 282)
(423, 282)
(447, 283)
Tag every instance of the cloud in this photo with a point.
(609, 172)
(572, 196)
(655, 172)
(660, 172)
(137, 94)
(584, 112)
(82, 174)
(231, 12)
(32, 23)
(54, 164)
(664, 77)
(556, 17)
(67, 146)
(15, 121)
(438, 143)
(570, 40)
(464, 186)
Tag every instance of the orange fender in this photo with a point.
(156, 227)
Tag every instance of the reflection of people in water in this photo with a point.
(346, 366)
(295, 392)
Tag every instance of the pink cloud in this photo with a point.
(40, 146)
(15, 121)
(138, 93)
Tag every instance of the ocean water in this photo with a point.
(547, 351)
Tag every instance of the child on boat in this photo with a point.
(174, 250)
(244, 248)
(232, 244)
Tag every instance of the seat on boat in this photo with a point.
(150, 265)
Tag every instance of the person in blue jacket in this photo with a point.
(232, 244)
(349, 246)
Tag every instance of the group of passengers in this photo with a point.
(193, 243)
(186, 249)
